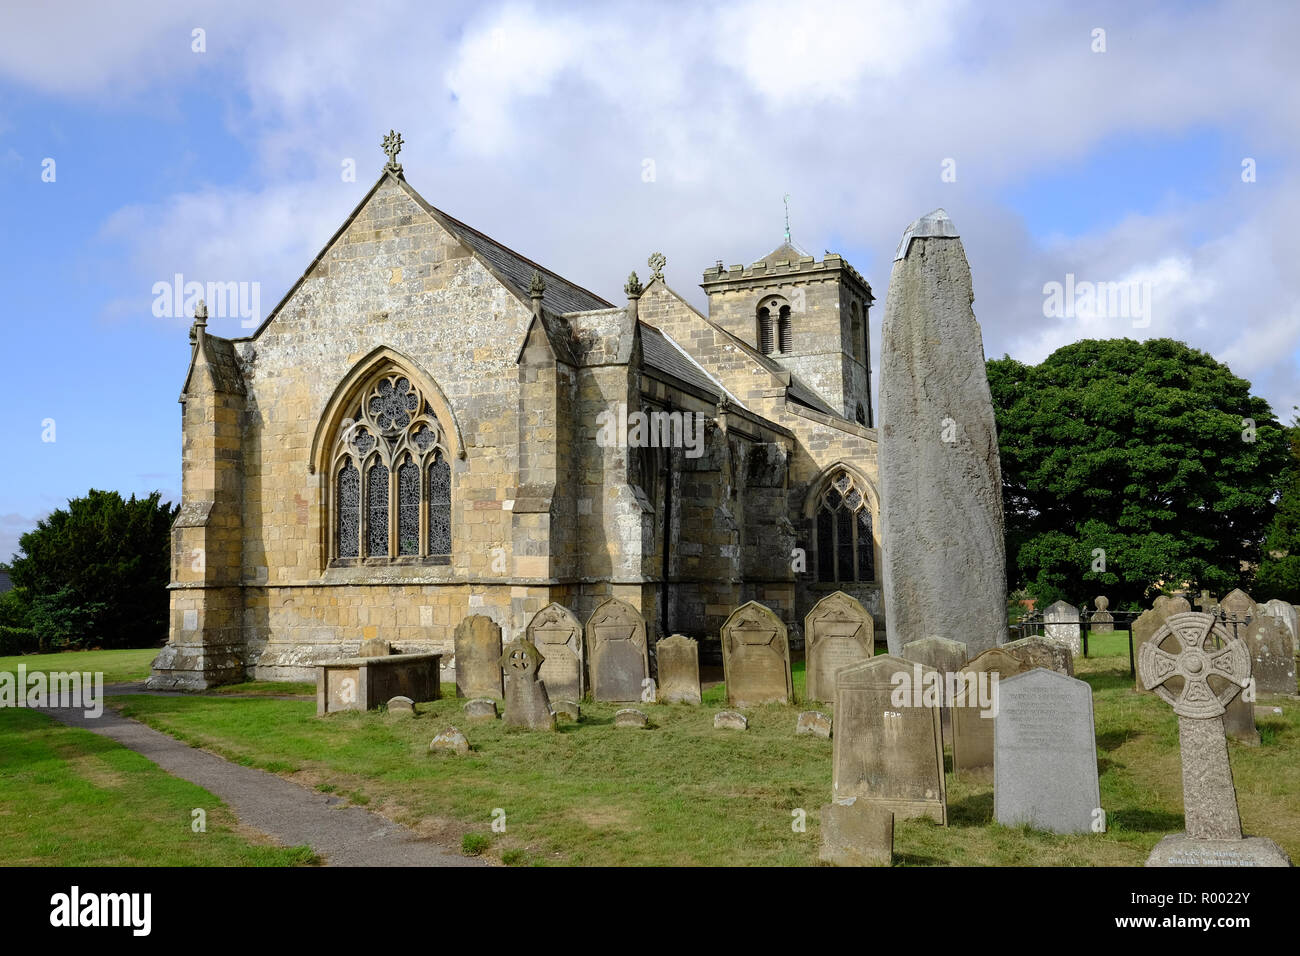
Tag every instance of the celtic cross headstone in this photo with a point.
(1196, 667)
(527, 703)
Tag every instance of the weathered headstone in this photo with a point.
(1062, 620)
(1272, 656)
(557, 633)
(568, 709)
(1045, 754)
(630, 717)
(375, 647)
(943, 538)
(482, 708)
(527, 703)
(401, 706)
(678, 658)
(857, 833)
(1102, 620)
(837, 632)
(972, 722)
(1238, 605)
(729, 720)
(945, 656)
(1286, 613)
(813, 723)
(450, 740)
(616, 652)
(888, 749)
(1042, 652)
(1177, 663)
(478, 657)
(756, 657)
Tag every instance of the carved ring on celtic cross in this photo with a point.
(1195, 664)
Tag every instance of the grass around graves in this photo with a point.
(684, 793)
(117, 666)
(69, 797)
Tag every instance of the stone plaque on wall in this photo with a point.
(838, 632)
(886, 752)
(478, 657)
(616, 652)
(557, 634)
(756, 657)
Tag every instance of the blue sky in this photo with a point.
(535, 122)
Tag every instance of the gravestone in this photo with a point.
(1286, 613)
(481, 708)
(679, 670)
(527, 703)
(450, 740)
(942, 532)
(616, 652)
(1149, 622)
(375, 647)
(888, 749)
(813, 723)
(630, 717)
(756, 657)
(1102, 619)
(478, 657)
(568, 709)
(1238, 605)
(1042, 652)
(856, 833)
(730, 720)
(838, 631)
(945, 656)
(972, 732)
(1045, 754)
(557, 633)
(1062, 620)
(1177, 663)
(1271, 653)
(401, 706)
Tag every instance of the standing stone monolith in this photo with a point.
(942, 532)
(1045, 754)
(1188, 650)
(679, 670)
(837, 632)
(1062, 624)
(478, 657)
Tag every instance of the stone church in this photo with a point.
(418, 432)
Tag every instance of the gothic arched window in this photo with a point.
(391, 478)
(845, 547)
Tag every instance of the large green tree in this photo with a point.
(1279, 569)
(95, 574)
(1126, 464)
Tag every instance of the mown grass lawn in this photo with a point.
(69, 797)
(117, 667)
(683, 793)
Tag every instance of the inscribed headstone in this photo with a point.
(616, 652)
(838, 631)
(756, 657)
(557, 633)
(678, 658)
(478, 657)
(1045, 754)
(1062, 620)
(972, 731)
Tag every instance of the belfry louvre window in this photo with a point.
(391, 477)
(845, 550)
(774, 333)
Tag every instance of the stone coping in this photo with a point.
(382, 660)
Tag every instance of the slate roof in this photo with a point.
(660, 352)
(561, 295)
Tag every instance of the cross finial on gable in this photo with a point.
(656, 262)
(392, 146)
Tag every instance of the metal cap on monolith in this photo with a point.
(943, 550)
